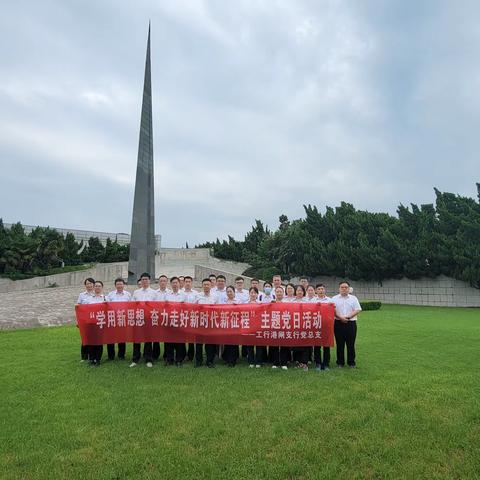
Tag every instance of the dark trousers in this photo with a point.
(230, 354)
(191, 351)
(260, 355)
(155, 350)
(174, 352)
(210, 350)
(95, 353)
(147, 352)
(345, 334)
(317, 356)
(111, 350)
(244, 351)
(84, 353)
(250, 354)
(280, 355)
(300, 354)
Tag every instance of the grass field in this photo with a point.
(411, 409)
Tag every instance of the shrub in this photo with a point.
(370, 305)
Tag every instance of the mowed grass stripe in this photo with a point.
(411, 409)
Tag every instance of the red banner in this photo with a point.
(278, 324)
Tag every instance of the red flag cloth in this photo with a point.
(277, 324)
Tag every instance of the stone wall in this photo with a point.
(102, 271)
(441, 291)
(203, 271)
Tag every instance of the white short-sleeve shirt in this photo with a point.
(347, 304)
(206, 299)
(115, 296)
(145, 294)
(191, 296)
(83, 297)
(175, 297)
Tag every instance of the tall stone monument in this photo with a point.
(142, 240)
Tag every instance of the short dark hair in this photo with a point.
(222, 277)
(100, 282)
(206, 280)
(254, 280)
(304, 278)
(162, 276)
(230, 286)
(320, 285)
(302, 287)
(255, 289)
(289, 285)
(119, 279)
(343, 281)
(187, 276)
(239, 278)
(174, 278)
(89, 279)
(267, 283)
(212, 275)
(145, 275)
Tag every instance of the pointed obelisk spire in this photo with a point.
(142, 240)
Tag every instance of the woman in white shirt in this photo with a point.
(300, 354)
(230, 352)
(289, 293)
(82, 300)
(96, 351)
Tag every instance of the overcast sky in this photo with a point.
(259, 107)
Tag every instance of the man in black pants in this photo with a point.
(145, 293)
(347, 307)
(175, 352)
(206, 298)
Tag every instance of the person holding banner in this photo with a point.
(175, 352)
(144, 294)
(221, 292)
(267, 296)
(347, 307)
(191, 296)
(300, 354)
(206, 298)
(289, 294)
(230, 352)
(82, 300)
(241, 294)
(162, 292)
(280, 355)
(118, 295)
(96, 351)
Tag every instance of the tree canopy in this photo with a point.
(421, 241)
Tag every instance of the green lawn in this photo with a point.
(411, 409)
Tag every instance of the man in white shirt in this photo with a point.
(144, 294)
(347, 307)
(220, 292)
(241, 294)
(213, 282)
(322, 364)
(205, 298)
(175, 352)
(118, 295)
(162, 292)
(277, 282)
(83, 300)
(304, 282)
(162, 288)
(191, 296)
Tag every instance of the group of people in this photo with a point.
(216, 291)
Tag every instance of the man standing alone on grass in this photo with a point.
(347, 307)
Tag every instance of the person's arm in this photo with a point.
(340, 317)
(353, 314)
